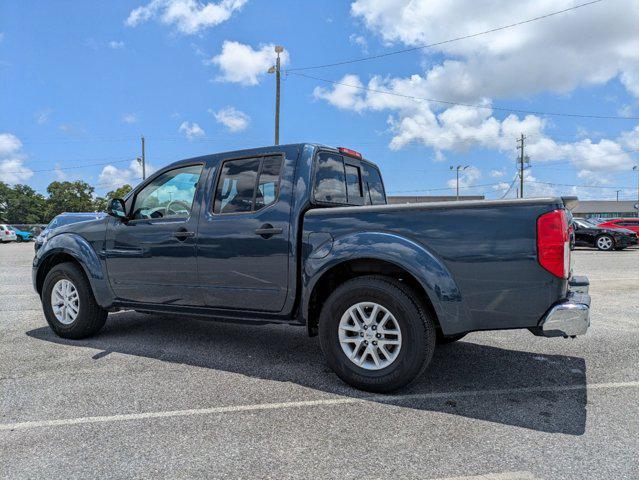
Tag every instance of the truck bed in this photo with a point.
(488, 249)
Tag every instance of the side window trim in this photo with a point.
(149, 180)
(261, 157)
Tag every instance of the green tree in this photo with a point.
(100, 203)
(5, 192)
(22, 204)
(70, 197)
(119, 192)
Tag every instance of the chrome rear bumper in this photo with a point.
(571, 316)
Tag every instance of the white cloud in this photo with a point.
(9, 144)
(116, 45)
(467, 178)
(554, 54)
(113, 177)
(191, 130)
(459, 128)
(360, 41)
(242, 64)
(42, 116)
(12, 169)
(497, 173)
(231, 118)
(129, 118)
(342, 96)
(59, 173)
(187, 16)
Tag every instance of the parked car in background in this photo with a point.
(302, 234)
(65, 218)
(6, 234)
(624, 223)
(21, 235)
(589, 234)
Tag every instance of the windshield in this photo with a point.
(585, 223)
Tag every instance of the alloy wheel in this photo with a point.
(65, 301)
(370, 336)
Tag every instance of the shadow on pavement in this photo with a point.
(286, 354)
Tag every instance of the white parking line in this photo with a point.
(304, 403)
(497, 476)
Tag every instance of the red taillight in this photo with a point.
(349, 152)
(7, 232)
(553, 243)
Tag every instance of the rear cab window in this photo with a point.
(343, 180)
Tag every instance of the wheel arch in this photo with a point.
(389, 255)
(75, 249)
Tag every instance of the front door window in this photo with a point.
(168, 196)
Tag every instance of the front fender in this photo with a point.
(81, 250)
(422, 264)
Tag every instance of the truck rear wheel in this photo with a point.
(374, 335)
(68, 303)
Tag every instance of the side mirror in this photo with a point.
(117, 209)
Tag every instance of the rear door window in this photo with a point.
(269, 182)
(248, 184)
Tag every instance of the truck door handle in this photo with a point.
(267, 231)
(183, 234)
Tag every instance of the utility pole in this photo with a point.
(457, 169)
(636, 169)
(276, 70)
(143, 160)
(618, 195)
(520, 147)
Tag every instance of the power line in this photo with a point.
(573, 185)
(445, 188)
(464, 37)
(512, 184)
(71, 167)
(447, 102)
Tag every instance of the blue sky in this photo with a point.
(81, 81)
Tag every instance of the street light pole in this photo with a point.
(636, 169)
(457, 169)
(276, 70)
(142, 160)
(618, 195)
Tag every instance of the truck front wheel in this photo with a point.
(375, 335)
(68, 303)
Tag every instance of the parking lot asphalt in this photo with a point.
(169, 397)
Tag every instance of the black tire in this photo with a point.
(91, 317)
(610, 245)
(446, 339)
(19, 239)
(417, 327)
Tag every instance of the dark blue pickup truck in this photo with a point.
(302, 234)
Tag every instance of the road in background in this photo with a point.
(173, 397)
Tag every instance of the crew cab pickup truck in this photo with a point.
(302, 234)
